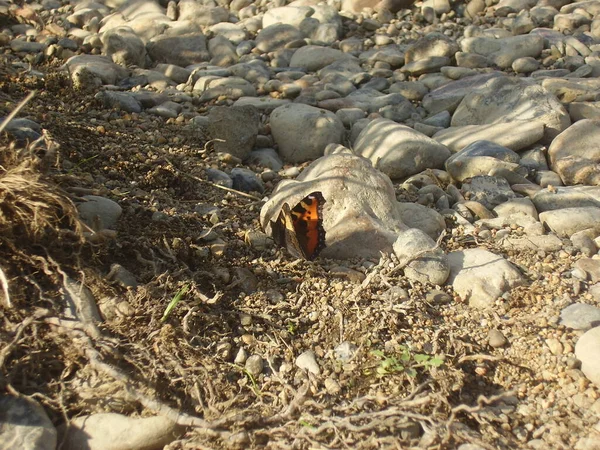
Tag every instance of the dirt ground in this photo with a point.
(422, 374)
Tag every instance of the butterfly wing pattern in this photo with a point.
(300, 229)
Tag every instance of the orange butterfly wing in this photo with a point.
(300, 229)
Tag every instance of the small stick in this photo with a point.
(16, 111)
(4, 283)
(218, 186)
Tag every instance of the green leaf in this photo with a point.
(173, 303)
(436, 362)
(378, 353)
(420, 358)
(411, 372)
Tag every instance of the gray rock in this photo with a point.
(232, 88)
(20, 45)
(200, 14)
(575, 153)
(313, 58)
(232, 31)
(481, 277)
(111, 431)
(241, 356)
(237, 127)
(419, 216)
(449, 96)
(166, 110)
(302, 132)
(431, 267)
(566, 197)
(411, 90)
(308, 361)
(489, 191)
(584, 110)
(496, 338)
(506, 99)
(25, 425)
(101, 67)
(277, 36)
(345, 351)
(246, 181)
(255, 365)
(546, 243)
(219, 177)
(80, 303)
(567, 221)
(397, 150)
(183, 50)
(589, 266)
(584, 242)
(587, 350)
(426, 65)
(265, 157)
(479, 158)
(580, 316)
(573, 89)
(99, 212)
(431, 44)
(222, 51)
(526, 64)
(264, 104)
(471, 60)
(119, 100)
(502, 52)
(517, 205)
(124, 47)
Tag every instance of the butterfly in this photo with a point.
(300, 229)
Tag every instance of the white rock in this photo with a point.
(397, 150)
(517, 205)
(124, 47)
(289, 15)
(449, 96)
(25, 425)
(99, 211)
(112, 431)
(481, 277)
(566, 197)
(431, 267)
(100, 66)
(513, 135)
(504, 51)
(183, 50)
(509, 100)
(575, 153)
(308, 361)
(567, 221)
(313, 57)
(587, 350)
(580, 316)
(302, 132)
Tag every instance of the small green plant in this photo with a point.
(292, 328)
(405, 362)
(173, 303)
(253, 382)
(305, 424)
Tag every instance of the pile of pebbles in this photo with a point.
(487, 113)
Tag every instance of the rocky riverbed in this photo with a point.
(455, 146)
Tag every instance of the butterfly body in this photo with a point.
(300, 229)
